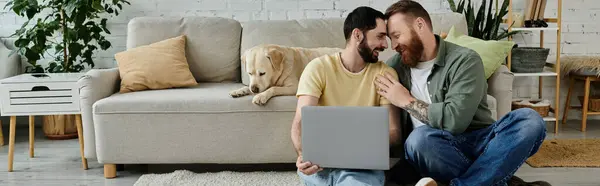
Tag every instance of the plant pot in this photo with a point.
(60, 127)
(529, 59)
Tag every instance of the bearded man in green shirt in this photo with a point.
(448, 130)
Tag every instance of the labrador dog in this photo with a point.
(275, 70)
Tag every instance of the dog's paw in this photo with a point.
(237, 93)
(260, 99)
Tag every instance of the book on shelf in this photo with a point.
(530, 10)
(542, 9)
(538, 7)
(534, 13)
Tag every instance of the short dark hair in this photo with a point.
(409, 7)
(364, 18)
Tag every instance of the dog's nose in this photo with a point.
(254, 89)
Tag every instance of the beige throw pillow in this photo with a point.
(160, 65)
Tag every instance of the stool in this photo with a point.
(587, 76)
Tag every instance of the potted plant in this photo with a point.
(484, 24)
(66, 33)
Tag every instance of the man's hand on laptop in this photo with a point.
(307, 167)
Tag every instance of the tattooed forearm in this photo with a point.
(418, 109)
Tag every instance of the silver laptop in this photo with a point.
(346, 137)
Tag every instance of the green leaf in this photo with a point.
(31, 55)
(22, 42)
(452, 5)
(103, 22)
(461, 6)
(31, 12)
(19, 6)
(121, 6)
(96, 4)
(477, 24)
(33, 3)
(80, 18)
(70, 8)
(489, 23)
(506, 34)
(75, 48)
(52, 67)
(104, 44)
(470, 18)
(104, 26)
(58, 49)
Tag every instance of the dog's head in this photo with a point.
(264, 65)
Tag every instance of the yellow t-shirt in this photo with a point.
(327, 79)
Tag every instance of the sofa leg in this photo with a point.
(110, 171)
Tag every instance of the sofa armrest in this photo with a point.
(96, 84)
(500, 86)
(10, 65)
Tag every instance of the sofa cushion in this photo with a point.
(160, 65)
(203, 98)
(493, 53)
(212, 47)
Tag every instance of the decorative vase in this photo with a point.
(60, 127)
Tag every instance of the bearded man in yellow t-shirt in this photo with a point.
(347, 79)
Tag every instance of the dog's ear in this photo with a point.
(275, 55)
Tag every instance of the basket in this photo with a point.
(542, 110)
(529, 59)
(593, 103)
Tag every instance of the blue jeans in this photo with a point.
(488, 156)
(350, 177)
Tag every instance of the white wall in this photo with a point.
(580, 34)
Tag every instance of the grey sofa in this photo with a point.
(203, 124)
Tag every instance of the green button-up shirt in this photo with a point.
(457, 87)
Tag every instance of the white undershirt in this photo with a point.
(418, 89)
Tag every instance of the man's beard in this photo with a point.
(366, 53)
(412, 53)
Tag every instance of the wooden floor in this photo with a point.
(58, 163)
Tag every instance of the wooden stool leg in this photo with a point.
(1, 135)
(585, 105)
(80, 136)
(31, 135)
(11, 142)
(110, 170)
(568, 101)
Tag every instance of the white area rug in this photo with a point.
(188, 178)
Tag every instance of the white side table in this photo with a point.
(33, 95)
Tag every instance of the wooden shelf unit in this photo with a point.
(555, 69)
